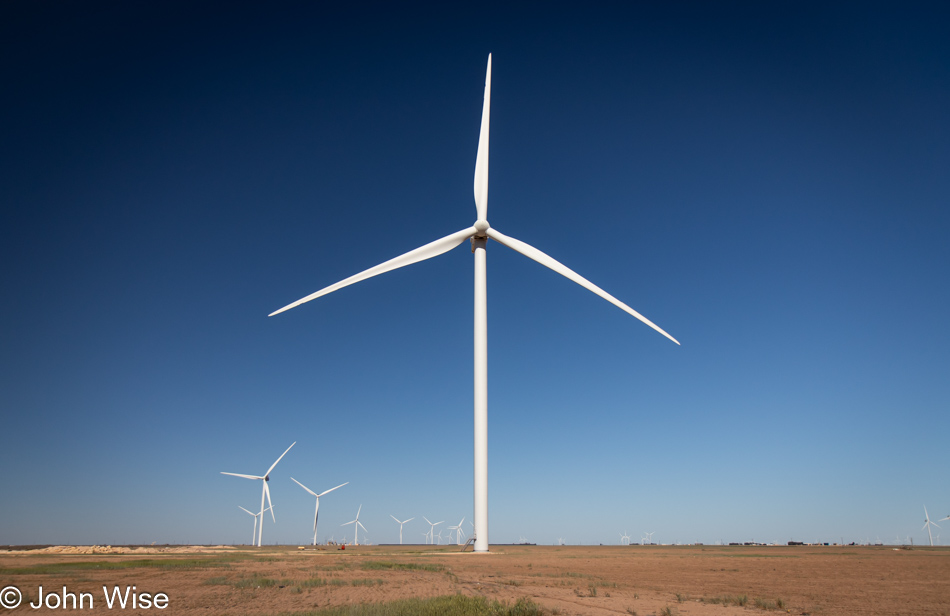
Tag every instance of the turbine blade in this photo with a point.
(361, 525)
(411, 519)
(432, 249)
(306, 488)
(394, 517)
(481, 159)
(244, 476)
(331, 489)
(246, 511)
(270, 505)
(533, 253)
(279, 459)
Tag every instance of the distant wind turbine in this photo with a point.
(265, 492)
(400, 526)
(927, 525)
(356, 523)
(316, 511)
(255, 516)
(458, 532)
(479, 234)
(432, 526)
(624, 538)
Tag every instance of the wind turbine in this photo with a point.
(255, 516)
(400, 526)
(479, 234)
(624, 538)
(264, 492)
(458, 531)
(927, 525)
(432, 526)
(316, 511)
(356, 523)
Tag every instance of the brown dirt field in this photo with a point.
(844, 581)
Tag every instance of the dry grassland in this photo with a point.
(642, 580)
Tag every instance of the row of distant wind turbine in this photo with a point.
(258, 531)
(265, 493)
(479, 234)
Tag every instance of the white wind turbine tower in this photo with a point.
(479, 234)
(458, 531)
(928, 524)
(432, 526)
(316, 511)
(264, 492)
(356, 526)
(400, 526)
(255, 516)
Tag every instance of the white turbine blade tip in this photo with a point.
(481, 158)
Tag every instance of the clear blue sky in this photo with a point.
(768, 183)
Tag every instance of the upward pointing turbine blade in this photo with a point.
(330, 490)
(279, 459)
(481, 159)
(432, 249)
(306, 488)
(533, 253)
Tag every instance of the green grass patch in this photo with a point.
(367, 582)
(219, 580)
(383, 565)
(254, 582)
(765, 604)
(449, 605)
(313, 582)
(739, 600)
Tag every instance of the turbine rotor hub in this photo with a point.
(481, 226)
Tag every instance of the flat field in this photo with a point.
(643, 580)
